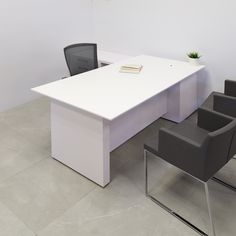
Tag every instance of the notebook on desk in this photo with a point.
(131, 69)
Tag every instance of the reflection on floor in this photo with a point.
(40, 196)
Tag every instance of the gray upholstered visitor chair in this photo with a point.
(230, 88)
(199, 150)
(81, 57)
(226, 103)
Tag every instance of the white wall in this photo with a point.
(170, 28)
(32, 36)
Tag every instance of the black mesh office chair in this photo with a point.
(81, 57)
(199, 150)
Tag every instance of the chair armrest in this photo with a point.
(182, 152)
(230, 88)
(225, 104)
(212, 120)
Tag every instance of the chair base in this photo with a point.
(219, 181)
(173, 213)
(176, 215)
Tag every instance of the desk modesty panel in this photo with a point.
(107, 58)
(95, 112)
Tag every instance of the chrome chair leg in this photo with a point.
(145, 172)
(172, 212)
(209, 209)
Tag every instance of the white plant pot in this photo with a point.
(194, 61)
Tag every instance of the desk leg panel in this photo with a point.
(182, 99)
(80, 141)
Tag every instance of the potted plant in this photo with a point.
(193, 58)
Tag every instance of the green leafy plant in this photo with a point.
(194, 55)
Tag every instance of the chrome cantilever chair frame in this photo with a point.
(198, 149)
(172, 212)
(219, 181)
(220, 104)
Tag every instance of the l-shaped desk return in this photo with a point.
(95, 112)
(106, 58)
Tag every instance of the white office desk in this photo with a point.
(95, 112)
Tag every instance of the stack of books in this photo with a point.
(131, 69)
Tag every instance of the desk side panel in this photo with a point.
(80, 141)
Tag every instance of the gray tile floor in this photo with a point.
(40, 196)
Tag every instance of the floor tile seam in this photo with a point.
(68, 209)
(137, 205)
(99, 217)
(23, 105)
(123, 165)
(8, 126)
(23, 170)
(142, 191)
(17, 217)
(82, 196)
(43, 191)
(20, 130)
(124, 174)
(115, 213)
(62, 213)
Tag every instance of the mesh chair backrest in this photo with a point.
(81, 57)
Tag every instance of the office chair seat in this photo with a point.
(190, 131)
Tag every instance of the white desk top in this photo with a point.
(110, 57)
(107, 93)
